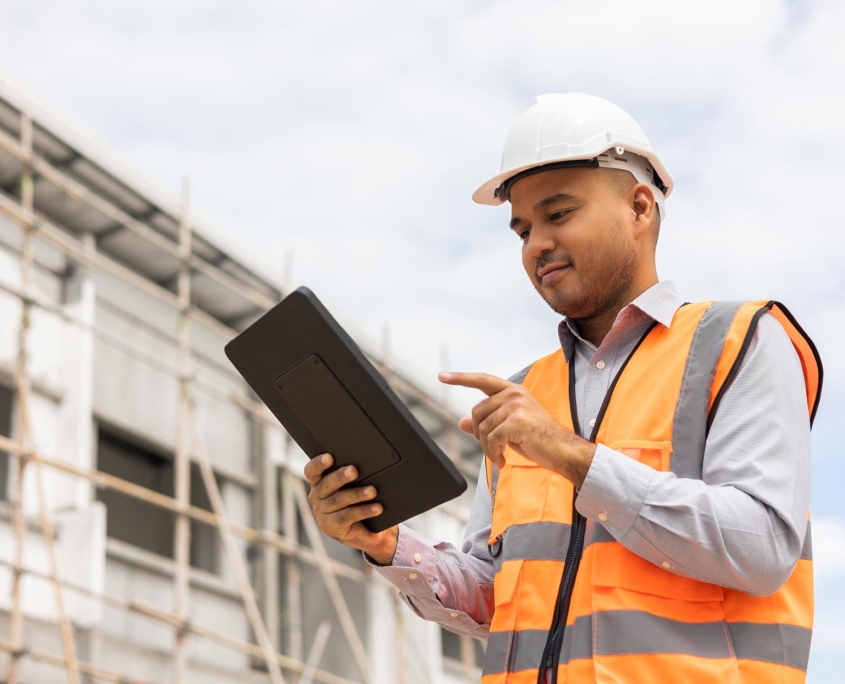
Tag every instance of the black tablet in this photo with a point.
(329, 397)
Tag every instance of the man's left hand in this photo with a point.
(512, 416)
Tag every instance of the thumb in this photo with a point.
(466, 425)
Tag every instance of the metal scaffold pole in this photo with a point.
(21, 378)
(182, 470)
(234, 557)
(27, 442)
(293, 570)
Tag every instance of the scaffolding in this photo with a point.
(295, 665)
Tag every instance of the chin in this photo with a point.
(566, 303)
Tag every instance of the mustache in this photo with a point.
(549, 259)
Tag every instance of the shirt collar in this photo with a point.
(658, 303)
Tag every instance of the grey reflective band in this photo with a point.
(630, 632)
(518, 378)
(533, 541)
(689, 429)
(516, 651)
(772, 643)
(597, 533)
(807, 549)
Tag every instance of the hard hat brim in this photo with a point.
(486, 193)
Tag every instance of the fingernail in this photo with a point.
(445, 376)
(375, 508)
(326, 460)
(350, 471)
(369, 491)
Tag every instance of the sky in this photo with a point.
(346, 138)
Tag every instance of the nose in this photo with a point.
(539, 242)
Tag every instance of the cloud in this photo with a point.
(829, 548)
(829, 571)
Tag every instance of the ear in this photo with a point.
(645, 208)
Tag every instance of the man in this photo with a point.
(643, 511)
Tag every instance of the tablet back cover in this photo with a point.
(330, 398)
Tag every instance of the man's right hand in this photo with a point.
(339, 512)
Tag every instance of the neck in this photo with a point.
(595, 328)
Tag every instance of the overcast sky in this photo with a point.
(351, 136)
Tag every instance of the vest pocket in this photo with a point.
(526, 484)
(506, 584)
(651, 617)
(616, 566)
(657, 455)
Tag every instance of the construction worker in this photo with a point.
(642, 514)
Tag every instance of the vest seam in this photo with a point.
(728, 639)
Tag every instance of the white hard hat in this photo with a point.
(573, 129)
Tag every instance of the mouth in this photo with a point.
(552, 272)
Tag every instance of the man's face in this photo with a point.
(577, 244)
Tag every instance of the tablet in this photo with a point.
(329, 397)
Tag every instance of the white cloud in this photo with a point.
(829, 572)
(829, 548)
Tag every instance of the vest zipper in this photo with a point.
(551, 653)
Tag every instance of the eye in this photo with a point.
(557, 215)
(523, 234)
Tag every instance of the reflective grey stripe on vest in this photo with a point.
(773, 643)
(689, 430)
(518, 378)
(597, 533)
(807, 549)
(630, 632)
(526, 648)
(533, 541)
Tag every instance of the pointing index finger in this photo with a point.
(489, 384)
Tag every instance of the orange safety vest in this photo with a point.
(627, 619)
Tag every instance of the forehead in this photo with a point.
(578, 182)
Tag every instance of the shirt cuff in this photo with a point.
(614, 490)
(412, 571)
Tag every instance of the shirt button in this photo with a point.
(453, 614)
(602, 516)
(412, 576)
(592, 422)
(666, 564)
(600, 365)
(417, 558)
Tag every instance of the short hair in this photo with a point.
(622, 181)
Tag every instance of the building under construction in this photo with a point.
(153, 520)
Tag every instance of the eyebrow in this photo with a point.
(543, 203)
